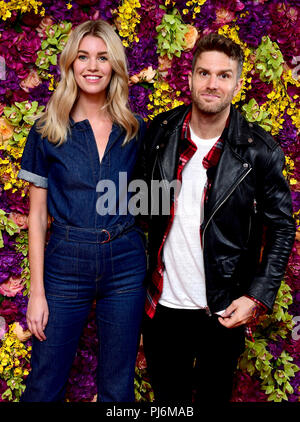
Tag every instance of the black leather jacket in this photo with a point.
(249, 201)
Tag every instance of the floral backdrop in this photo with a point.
(159, 38)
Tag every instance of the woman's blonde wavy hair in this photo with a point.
(54, 122)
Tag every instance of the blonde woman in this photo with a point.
(87, 135)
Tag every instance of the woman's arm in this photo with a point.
(37, 311)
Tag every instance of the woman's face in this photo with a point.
(92, 69)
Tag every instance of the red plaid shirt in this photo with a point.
(187, 150)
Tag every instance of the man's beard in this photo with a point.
(211, 108)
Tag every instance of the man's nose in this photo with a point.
(212, 82)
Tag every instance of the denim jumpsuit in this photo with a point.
(90, 255)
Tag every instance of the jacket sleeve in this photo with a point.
(280, 234)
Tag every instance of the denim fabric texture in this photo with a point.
(88, 257)
(72, 171)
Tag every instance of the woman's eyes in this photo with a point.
(100, 58)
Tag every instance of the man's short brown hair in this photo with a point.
(216, 42)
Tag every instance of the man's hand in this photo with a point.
(238, 313)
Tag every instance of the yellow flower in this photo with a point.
(22, 6)
(17, 371)
(126, 21)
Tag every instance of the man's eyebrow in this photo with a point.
(221, 71)
(86, 52)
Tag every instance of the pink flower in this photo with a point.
(12, 286)
(224, 16)
(31, 81)
(20, 220)
(45, 22)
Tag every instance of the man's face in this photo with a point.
(214, 82)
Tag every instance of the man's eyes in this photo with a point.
(222, 75)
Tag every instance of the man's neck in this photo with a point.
(208, 126)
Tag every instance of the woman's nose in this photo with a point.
(93, 64)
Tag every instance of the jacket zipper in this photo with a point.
(152, 174)
(230, 193)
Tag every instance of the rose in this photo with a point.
(33, 80)
(20, 220)
(190, 37)
(20, 333)
(12, 286)
(28, 46)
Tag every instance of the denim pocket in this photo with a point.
(61, 269)
(52, 245)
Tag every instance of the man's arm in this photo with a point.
(277, 216)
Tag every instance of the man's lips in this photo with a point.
(210, 96)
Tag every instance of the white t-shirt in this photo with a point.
(183, 277)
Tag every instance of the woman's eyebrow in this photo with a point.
(86, 52)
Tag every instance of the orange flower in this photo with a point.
(146, 75)
(20, 333)
(191, 37)
(6, 130)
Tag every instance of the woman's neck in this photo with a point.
(90, 108)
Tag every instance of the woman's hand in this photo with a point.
(37, 315)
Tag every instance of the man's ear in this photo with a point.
(238, 86)
(190, 80)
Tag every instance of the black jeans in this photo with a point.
(190, 354)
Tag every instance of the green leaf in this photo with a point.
(53, 60)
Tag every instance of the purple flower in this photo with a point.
(177, 76)
(15, 201)
(8, 310)
(259, 90)
(9, 260)
(28, 46)
(3, 388)
(21, 303)
(138, 99)
(254, 24)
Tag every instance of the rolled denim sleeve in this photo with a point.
(34, 165)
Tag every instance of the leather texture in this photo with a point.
(249, 206)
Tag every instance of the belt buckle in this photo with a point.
(108, 234)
